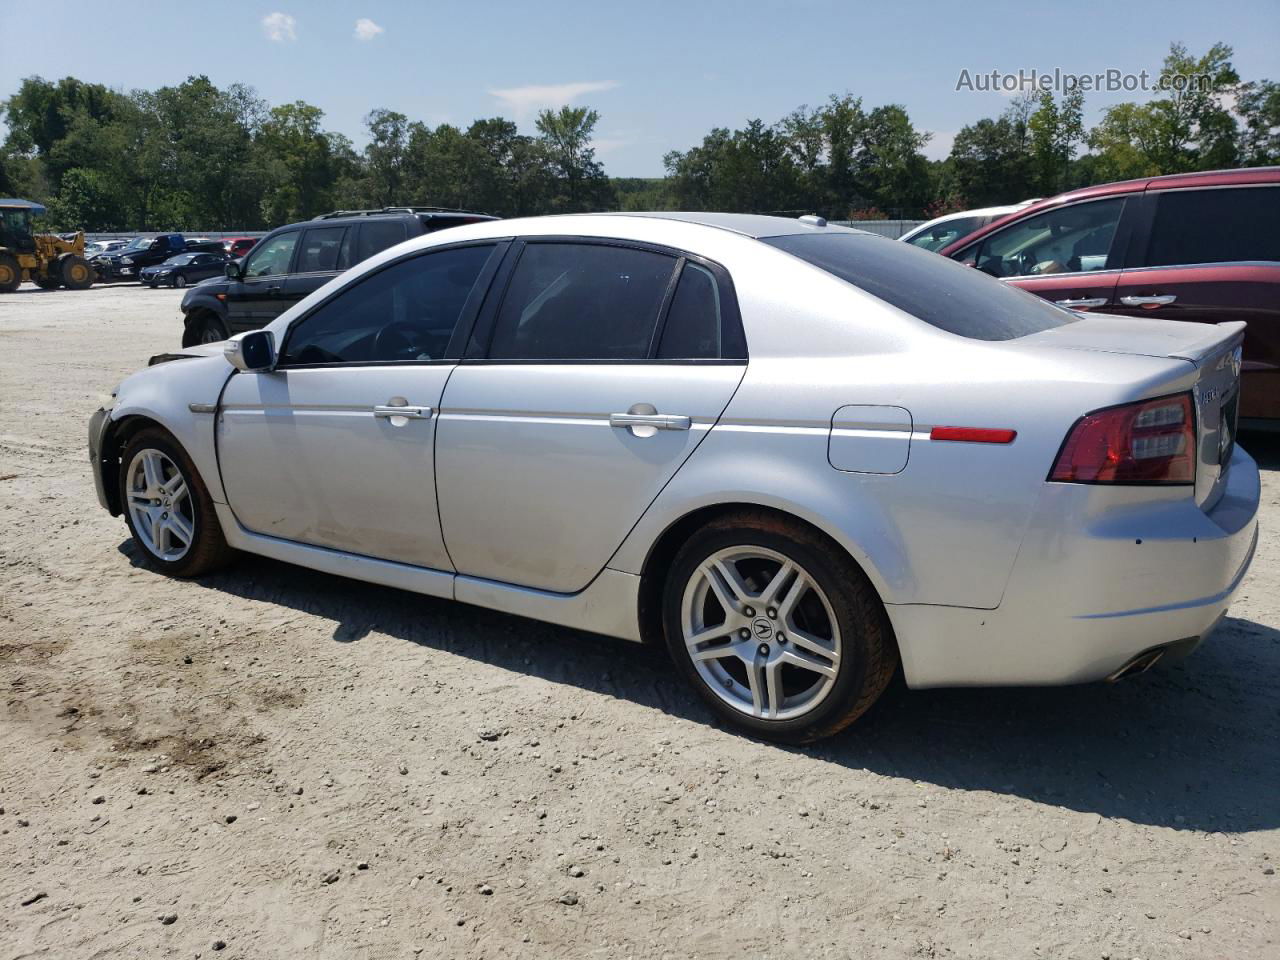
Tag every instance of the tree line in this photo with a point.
(198, 157)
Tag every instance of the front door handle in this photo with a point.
(402, 410)
(1081, 303)
(659, 421)
(1160, 301)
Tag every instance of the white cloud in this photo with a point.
(366, 29)
(524, 101)
(280, 27)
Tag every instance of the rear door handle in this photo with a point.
(659, 421)
(394, 410)
(1159, 301)
(1080, 303)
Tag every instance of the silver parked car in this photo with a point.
(801, 455)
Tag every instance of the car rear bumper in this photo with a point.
(1104, 575)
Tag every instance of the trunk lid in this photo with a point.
(1213, 349)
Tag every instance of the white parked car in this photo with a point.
(798, 454)
(939, 232)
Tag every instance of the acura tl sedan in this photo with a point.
(800, 455)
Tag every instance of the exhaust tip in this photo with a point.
(1139, 664)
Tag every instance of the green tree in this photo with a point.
(385, 157)
(1056, 128)
(1259, 108)
(580, 181)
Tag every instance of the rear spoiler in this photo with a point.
(1217, 338)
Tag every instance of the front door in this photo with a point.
(605, 367)
(1070, 254)
(254, 299)
(335, 448)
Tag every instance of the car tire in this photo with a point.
(47, 281)
(10, 273)
(168, 509)
(76, 273)
(203, 328)
(179, 281)
(782, 665)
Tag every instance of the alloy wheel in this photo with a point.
(160, 505)
(761, 633)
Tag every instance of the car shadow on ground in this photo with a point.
(1191, 745)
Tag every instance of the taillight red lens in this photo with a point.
(1152, 441)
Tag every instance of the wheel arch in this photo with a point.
(117, 434)
(665, 546)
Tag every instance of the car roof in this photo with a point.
(753, 225)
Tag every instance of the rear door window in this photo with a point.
(579, 301)
(320, 251)
(378, 235)
(1214, 226)
(937, 290)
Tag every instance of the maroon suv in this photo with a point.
(1194, 246)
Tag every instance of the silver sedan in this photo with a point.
(802, 456)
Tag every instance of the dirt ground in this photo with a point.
(274, 763)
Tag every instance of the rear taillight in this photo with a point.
(1152, 441)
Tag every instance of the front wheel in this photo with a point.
(76, 273)
(10, 273)
(778, 630)
(168, 509)
(179, 281)
(203, 328)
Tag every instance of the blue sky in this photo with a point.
(661, 73)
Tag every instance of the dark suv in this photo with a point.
(1191, 246)
(292, 261)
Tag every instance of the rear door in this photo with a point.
(1069, 254)
(1212, 254)
(591, 382)
(253, 300)
(322, 255)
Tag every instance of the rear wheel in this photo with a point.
(10, 273)
(203, 328)
(776, 628)
(168, 509)
(76, 273)
(47, 281)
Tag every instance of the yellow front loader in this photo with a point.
(46, 260)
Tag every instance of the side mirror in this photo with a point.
(232, 270)
(253, 352)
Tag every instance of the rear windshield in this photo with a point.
(932, 288)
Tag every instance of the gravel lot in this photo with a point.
(278, 763)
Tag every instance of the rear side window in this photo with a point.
(692, 329)
(320, 249)
(1215, 226)
(378, 235)
(939, 291)
(570, 301)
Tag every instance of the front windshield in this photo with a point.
(941, 234)
(137, 243)
(181, 258)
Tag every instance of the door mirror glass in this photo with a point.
(253, 352)
(232, 270)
